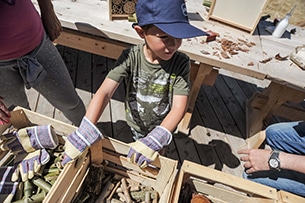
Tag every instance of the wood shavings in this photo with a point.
(205, 52)
(266, 60)
(280, 58)
(216, 54)
(229, 48)
(250, 64)
(224, 55)
(277, 57)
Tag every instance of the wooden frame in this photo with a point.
(221, 187)
(160, 174)
(243, 14)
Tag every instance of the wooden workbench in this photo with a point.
(88, 28)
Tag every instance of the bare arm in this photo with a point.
(175, 115)
(49, 19)
(101, 99)
(4, 113)
(257, 160)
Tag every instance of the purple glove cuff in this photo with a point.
(88, 132)
(43, 137)
(161, 136)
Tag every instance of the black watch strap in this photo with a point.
(274, 160)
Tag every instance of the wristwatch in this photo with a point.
(274, 161)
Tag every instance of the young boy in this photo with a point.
(157, 78)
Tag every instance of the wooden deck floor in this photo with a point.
(218, 125)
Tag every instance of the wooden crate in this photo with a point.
(221, 187)
(160, 174)
(121, 9)
(286, 197)
(22, 118)
(236, 13)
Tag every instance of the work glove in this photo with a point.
(29, 139)
(78, 141)
(7, 187)
(145, 150)
(26, 165)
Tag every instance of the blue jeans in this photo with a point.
(287, 137)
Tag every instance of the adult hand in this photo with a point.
(29, 139)
(49, 19)
(26, 165)
(145, 150)
(4, 113)
(255, 159)
(78, 141)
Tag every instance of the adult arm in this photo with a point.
(4, 113)
(49, 19)
(257, 160)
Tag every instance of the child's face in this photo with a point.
(159, 44)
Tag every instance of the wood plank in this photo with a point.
(203, 138)
(203, 72)
(222, 113)
(32, 96)
(240, 185)
(277, 94)
(236, 111)
(92, 44)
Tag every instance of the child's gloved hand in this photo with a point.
(76, 143)
(29, 139)
(145, 150)
(28, 164)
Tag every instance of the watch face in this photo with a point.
(273, 163)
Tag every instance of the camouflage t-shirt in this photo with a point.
(150, 87)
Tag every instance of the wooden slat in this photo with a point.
(95, 45)
(231, 104)
(204, 70)
(211, 175)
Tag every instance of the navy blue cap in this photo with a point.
(168, 15)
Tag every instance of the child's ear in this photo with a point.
(140, 31)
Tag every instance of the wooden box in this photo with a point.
(220, 187)
(242, 14)
(121, 9)
(160, 174)
(22, 118)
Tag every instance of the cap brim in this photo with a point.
(180, 30)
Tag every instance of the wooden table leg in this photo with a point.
(203, 71)
(262, 106)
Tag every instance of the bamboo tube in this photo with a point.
(42, 184)
(28, 189)
(33, 199)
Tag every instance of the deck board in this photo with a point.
(217, 128)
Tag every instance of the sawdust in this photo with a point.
(279, 8)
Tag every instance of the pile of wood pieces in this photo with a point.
(104, 187)
(228, 48)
